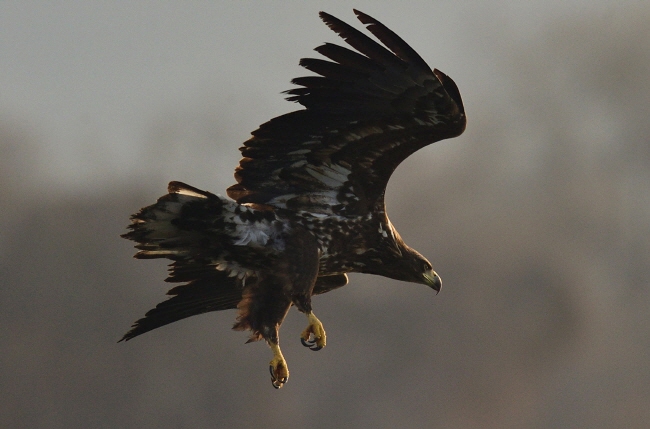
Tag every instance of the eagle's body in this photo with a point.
(308, 206)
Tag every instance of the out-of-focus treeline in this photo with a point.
(538, 222)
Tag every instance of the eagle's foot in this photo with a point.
(314, 329)
(278, 367)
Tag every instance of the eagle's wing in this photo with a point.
(366, 112)
(208, 290)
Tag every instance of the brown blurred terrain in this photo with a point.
(537, 220)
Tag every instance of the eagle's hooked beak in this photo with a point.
(433, 280)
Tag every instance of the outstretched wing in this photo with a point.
(208, 290)
(365, 113)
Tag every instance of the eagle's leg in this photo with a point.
(278, 366)
(302, 275)
(315, 329)
(262, 309)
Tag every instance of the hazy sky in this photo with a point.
(89, 81)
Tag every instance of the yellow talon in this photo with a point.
(278, 367)
(316, 329)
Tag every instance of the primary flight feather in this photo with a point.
(308, 205)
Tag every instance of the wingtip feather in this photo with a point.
(364, 18)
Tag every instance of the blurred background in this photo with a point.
(537, 219)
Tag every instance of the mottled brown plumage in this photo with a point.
(309, 199)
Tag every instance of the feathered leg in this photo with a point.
(265, 302)
(262, 310)
(302, 269)
(315, 327)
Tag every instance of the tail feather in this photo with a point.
(186, 226)
(179, 224)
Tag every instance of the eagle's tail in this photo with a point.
(189, 225)
(180, 225)
(208, 238)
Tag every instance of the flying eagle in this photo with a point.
(308, 205)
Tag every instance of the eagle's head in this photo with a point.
(411, 266)
(416, 269)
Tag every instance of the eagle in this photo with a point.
(308, 204)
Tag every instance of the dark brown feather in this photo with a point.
(212, 292)
(365, 114)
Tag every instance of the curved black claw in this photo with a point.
(311, 344)
(277, 383)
